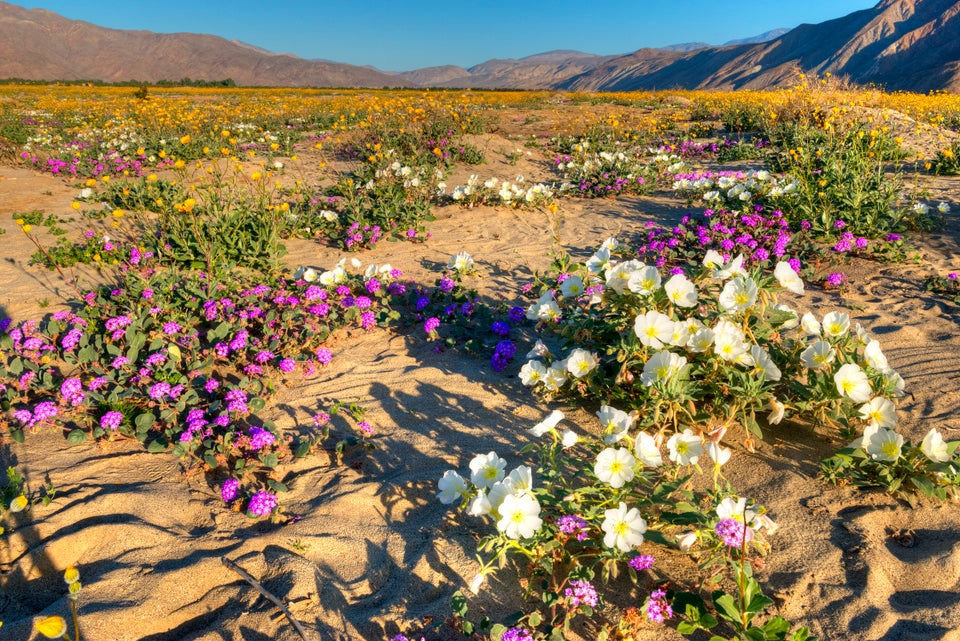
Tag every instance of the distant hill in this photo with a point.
(41, 45)
(899, 44)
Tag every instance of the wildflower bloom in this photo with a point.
(520, 516)
(658, 609)
(581, 362)
(581, 592)
(615, 466)
(642, 562)
(661, 367)
(686, 448)
(615, 422)
(880, 411)
(818, 355)
(884, 445)
(623, 528)
(52, 627)
(262, 503)
(111, 420)
(229, 490)
(486, 469)
(788, 277)
(573, 524)
(452, 487)
(733, 533)
(646, 450)
(547, 424)
(681, 291)
(516, 634)
(19, 503)
(654, 329)
(853, 383)
(934, 447)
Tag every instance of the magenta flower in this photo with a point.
(229, 490)
(262, 503)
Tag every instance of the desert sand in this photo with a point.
(373, 552)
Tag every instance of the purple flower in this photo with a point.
(72, 390)
(171, 328)
(97, 383)
(516, 315)
(642, 562)
(263, 356)
(795, 264)
(892, 238)
(287, 365)
(431, 325)
(506, 349)
(446, 285)
(260, 438)
(111, 420)
(516, 634)
(71, 339)
(366, 428)
(368, 320)
(324, 355)
(500, 328)
(573, 524)
(732, 532)
(155, 359)
(658, 609)
(211, 385)
(861, 243)
(835, 279)
(229, 490)
(839, 224)
(44, 412)
(422, 302)
(581, 592)
(158, 391)
(952, 275)
(262, 503)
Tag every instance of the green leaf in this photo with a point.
(17, 435)
(496, 632)
(256, 404)
(277, 486)
(776, 628)
(157, 445)
(726, 606)
(270, 460)
(174, 352)
(76, 437)
(458, 604)
(144, 421)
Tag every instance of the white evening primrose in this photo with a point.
(763, 362)
(817, 355)
(623, 528)
(479, 505)
(460, 262)
(486, 469)
(788, 278)
(681, 291)
(452, 487)
(701, 340)
(880, 411)
(568, 439)
(572, 287)
(519, 516)
(884, 445)
(738, 294)
(685, 448)
(619, 276)
(943, 208)
(777, 410)
(836, 324)
(581, 362)
(646, 450)
(644, 281)
(719, 454)
(810, 324)
(521, 478)
(547, 424)
(616, 423)
(532, 373)
(615, 466)
(934, 447)
(661, 367)
(853, 383)
(654, 329)
(874, 357)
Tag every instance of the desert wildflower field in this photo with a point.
(404, 365)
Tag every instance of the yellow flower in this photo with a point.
(71, 574)
(91, 182)
(20, 221)
(26, 228)
(19, 504)
(256, 176)
(75, 206)
(185, 140)
(52, 627)
(152, 178)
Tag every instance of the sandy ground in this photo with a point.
(374, 553)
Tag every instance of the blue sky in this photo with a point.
(400, 35)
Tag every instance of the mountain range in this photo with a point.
(908, 45)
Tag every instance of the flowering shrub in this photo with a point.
(493, 191)
(604, 174)
(736, 189)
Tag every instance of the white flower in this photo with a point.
(810, 324)
(790, 324)
(738, 294)
(788, 278)
(685, 448)
(943, 208)
(623, 529)
(686, 541)
(720, 455)
(893, 379)
(921, 208)
(538, 350)
(681, 291)
(475, 584)
(853, 383)
(725, 271)
(486, 469)
(461, 262)
(934, 448)
(580, 362)
(615, 422)
(479, 505)
(520, 516)
(609, 244)
(777, 410)
(615, 466)
(874, 357)
(653, 329)
(884, 445)
(532, 372)
(701, 340)
(547, 424)
(452, 487)
(646, 450)
(618, 276)
(737, 509)
(836, 324)
(572, 287)
(817, 355)
(763, 362)
(661, 366)
(569, 438)
(681, 334)
(600, 261)
(729, 342)
(644, 281)
(556, 376)
(880, 411)
(521, 478)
